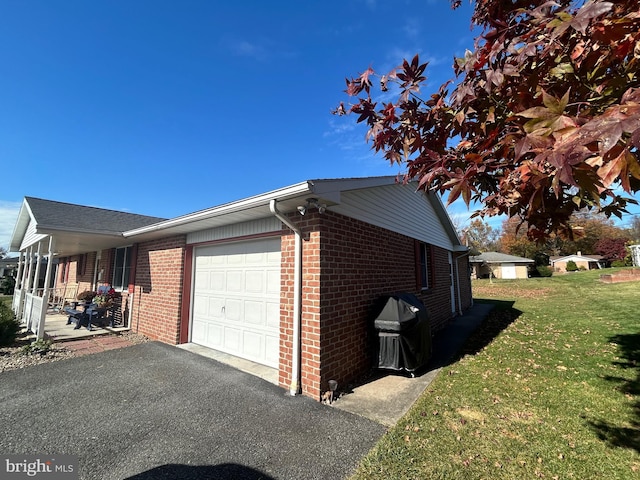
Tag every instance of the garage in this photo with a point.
(509, 270)
(236, 299)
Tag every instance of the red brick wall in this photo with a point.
(310, 332)
(437, 298)
(348, 265)
(158, 289)
(80, 271)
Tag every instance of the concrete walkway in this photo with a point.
(387, 398)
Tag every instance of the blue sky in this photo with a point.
(167, 107)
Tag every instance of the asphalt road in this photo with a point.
(153, 411)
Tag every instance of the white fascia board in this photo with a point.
(20, 229)
(445, 219)
(227, 208)
(327, 186)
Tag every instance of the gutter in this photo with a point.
(228, 208)
(294, 387)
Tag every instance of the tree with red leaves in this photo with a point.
(542, 121)
(612, 248)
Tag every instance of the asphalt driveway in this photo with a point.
(153, 411)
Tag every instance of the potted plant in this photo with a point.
(105, 298)
(87, 296)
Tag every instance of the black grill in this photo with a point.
(404, 334)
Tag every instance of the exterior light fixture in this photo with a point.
(312, 202)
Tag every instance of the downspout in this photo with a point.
(294, 388)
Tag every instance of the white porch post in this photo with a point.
(45, 293)
(25, 270)
(95, 271)
(36, 275)
(21, 261)
(28, 287)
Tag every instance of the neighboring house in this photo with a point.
(8, 266)
(500, 265)
(635, 255)
(583, 262)
(287, 279)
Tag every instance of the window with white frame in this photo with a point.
(121, 268)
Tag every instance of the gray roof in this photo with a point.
(71, 217)
(561, 258)
(496, 257)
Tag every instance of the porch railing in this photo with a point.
(18, 302)
(28, 308)
(33, 306)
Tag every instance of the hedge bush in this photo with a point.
(571, 266)
(7, 285)
(9, 326)
(544, 271)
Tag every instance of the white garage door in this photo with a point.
(508, 270)
(236, 299)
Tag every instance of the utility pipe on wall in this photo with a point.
(294, 388)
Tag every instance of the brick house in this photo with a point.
(500, 265)
(583, 262)
(286, 279)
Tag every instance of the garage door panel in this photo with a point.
(200, 305)
(272, 349)
(257, 258)
(235, 260)
(199, 331)
(232, 337)
(273, 283)
(217, 281)
(234, 281)
(254, 281)
(216, 260)
(237, 299)
(253, 344)
(216, 308)
(254, 312)
(273, 315)
(233, 310)
(202, 277)
(215, 334)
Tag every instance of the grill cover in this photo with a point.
(404, 334)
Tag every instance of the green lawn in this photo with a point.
(6, 299)
(548, 388)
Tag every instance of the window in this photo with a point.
(121, 268)
(425, 270)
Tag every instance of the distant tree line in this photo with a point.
(593, 234)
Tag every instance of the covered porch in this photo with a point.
(53, 238)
